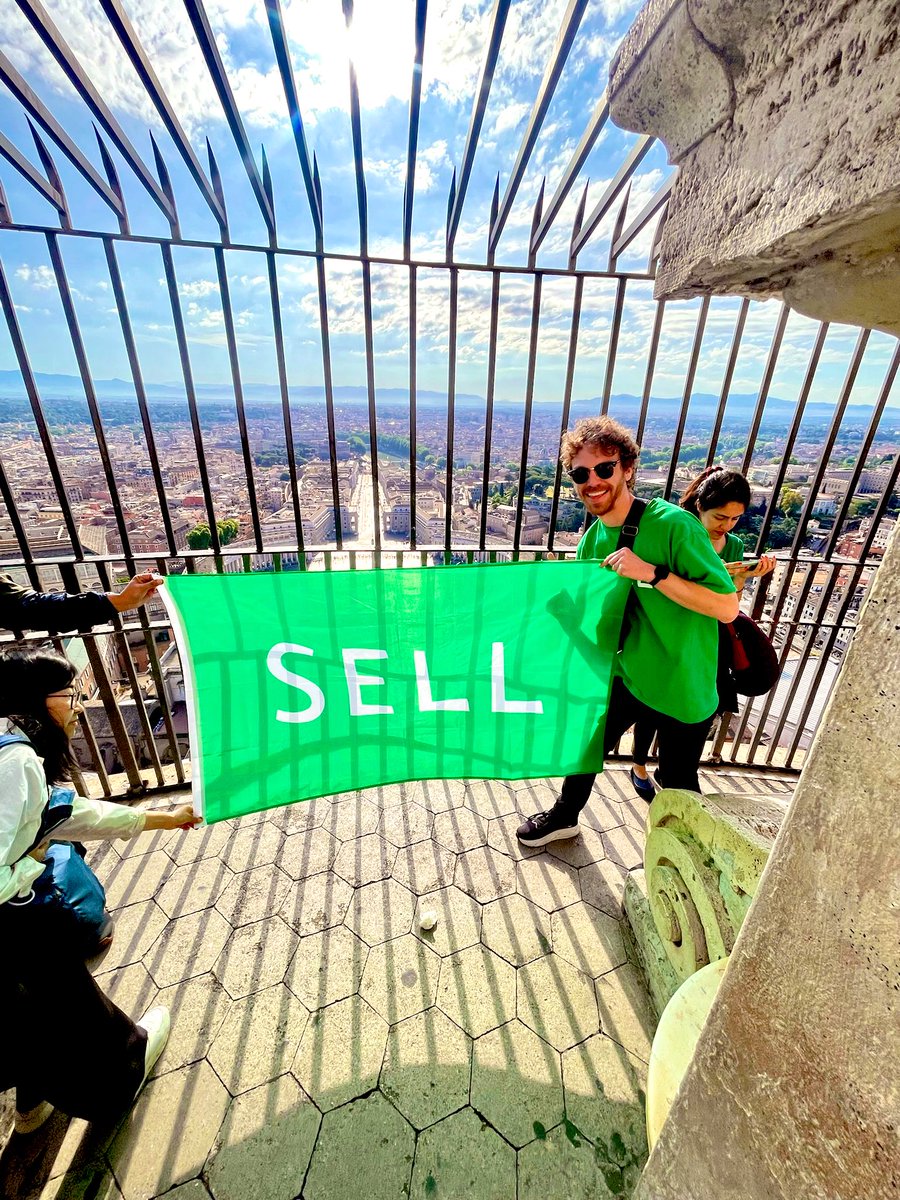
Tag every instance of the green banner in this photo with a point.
(303, 685)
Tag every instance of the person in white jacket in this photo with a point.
(46, 991)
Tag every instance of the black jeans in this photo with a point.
(680, 747)
(63, 1039)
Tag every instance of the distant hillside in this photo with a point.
(626, 407)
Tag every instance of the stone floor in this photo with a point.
(324, 1046)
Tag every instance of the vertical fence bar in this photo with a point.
(181, 339)
(137, 377)
(451, 411)
(526, 416)
(231, 340)
(489, 405)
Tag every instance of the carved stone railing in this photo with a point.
(703, 859)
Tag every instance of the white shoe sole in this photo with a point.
(557, 835)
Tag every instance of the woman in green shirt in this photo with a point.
(718, 498)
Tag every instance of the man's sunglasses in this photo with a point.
(603, 470)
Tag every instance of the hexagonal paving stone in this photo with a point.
(601, 813)
(626, 846)
(502, 837)
(605, 1088)
(389, 795)
(580, 851)
(351, 818)
(144, 843)
(194, 886)
(534, 795)
(556, 1001)
(256, 957)
(485, 874)
(207, 841)
(194, 1189)
(308, 853)
(187, 946)
(437, 795)
(477, 990)
(547, 882)
(458, 921)
(400, 978)
(460, 829)
(626, 1014)
(130, 989)
(565, 1164)
(298, 818)
(463, 1157)
(152, 1152)
(317, 903)
(368, 1140)
(254, 847)
(135, 880)
(635, 812)
(424, 867)
(516, 929)
(327, 967)
(269, 1134)
(365, 860)
(490, 798)
(253, 895)
(588, 939)
(258, 1039)
(137, 928)
(197, 1009)
(516, 1082)
(341, 1052)
(427, 1067)
(405, 824)
(603, 885)
(380, 911)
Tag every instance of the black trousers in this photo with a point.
(63, 1039)
(680, 747)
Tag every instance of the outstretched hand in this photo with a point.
(136, 592)
(181, 817)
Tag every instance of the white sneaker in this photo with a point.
(156, 1023)
(32, 1118)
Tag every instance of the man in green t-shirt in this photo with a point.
(666, 670)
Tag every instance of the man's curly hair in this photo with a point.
(604, 432)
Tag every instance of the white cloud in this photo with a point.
(41, 278)
(199, 287)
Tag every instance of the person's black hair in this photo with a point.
(27, 678)
(714, 487)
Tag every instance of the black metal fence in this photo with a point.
(493, 487)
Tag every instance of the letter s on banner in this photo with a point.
(280, 671)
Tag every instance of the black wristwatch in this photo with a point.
(659, 574)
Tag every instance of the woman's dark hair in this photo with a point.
(713, 487)
(27, 678)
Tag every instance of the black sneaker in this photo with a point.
(546, 827)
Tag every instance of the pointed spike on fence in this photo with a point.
(577, 222)
(112, 175)
(51, 172)
(5, 214)
(165, 182)
(618, 225)
(215, 179)
(451, 197)
(495, 204)
(317, 182)
(538, 208)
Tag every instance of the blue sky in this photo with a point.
(380, 42)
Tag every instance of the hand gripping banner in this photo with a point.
(306, 684)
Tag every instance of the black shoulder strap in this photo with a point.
(629, 530)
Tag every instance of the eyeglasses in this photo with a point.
(71, 694)
(603, 470)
